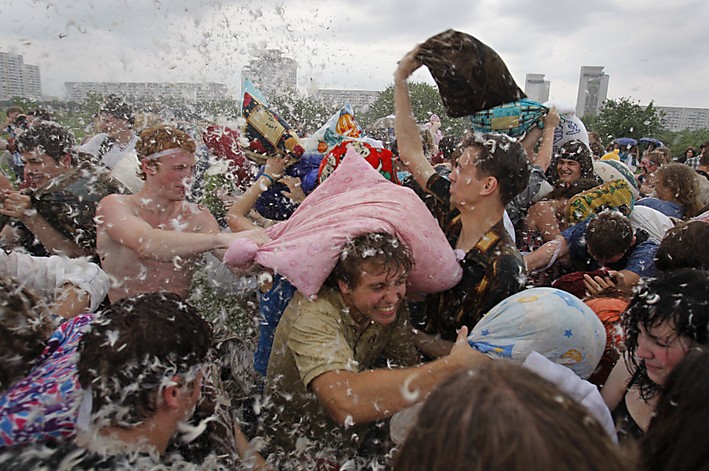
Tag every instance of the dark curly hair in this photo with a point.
(379, 247)
(679, 298)
(572, 150)
(501, 157)
(52, 138)
(132, 347)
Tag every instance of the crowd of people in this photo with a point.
(449, 302)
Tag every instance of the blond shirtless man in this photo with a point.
(150, 241)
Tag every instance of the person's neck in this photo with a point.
(476, 223)
(112, 440)
(152, 200)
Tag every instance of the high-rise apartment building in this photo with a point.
(536, 88)
(18, 79)
(593, 90)
(678, 119)
(270, 71)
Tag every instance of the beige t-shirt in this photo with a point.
(315, 337)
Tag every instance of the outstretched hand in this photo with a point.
(462, 353)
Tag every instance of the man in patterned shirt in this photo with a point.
(491, 171)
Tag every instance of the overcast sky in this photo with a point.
(652, 50)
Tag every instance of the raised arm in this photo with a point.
(408, 137)
(543, 157)
(376, 394)
(237, 218)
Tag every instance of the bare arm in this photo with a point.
(541, 217)
(237, 218)
(71, 302)
(616, 384)
(376, 394)
(122, 226)
(408, 137)
(431, 346)
(252, 458)
(543, 157)
(19, 206)
(541, 257)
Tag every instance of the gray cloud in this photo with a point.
(651, 49)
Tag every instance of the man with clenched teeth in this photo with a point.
(345, 360)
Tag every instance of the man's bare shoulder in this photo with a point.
(199, 215)
(118, 199)
(117, 205)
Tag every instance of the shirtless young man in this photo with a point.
(150, 241)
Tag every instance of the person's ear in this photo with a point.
(149, 167)
(344, 287)
(171, 393)
(490, 186)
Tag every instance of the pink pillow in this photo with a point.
(354, 200)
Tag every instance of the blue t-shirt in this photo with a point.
(639, 259)
(668, 208)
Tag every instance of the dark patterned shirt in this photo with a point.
(492, 270)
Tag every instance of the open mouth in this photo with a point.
(387, 311)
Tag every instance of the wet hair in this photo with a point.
(684, 246)
(677, 436)
(682, 181)
(372, 247)
(500, 416)
(134, 348)
(572, 150)
(25, 327)
(159, 138)
(681, 299)
(501, 157)
(608, 235)
(53, 140)
(117, 107)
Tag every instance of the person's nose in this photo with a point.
(393, 295)
(644, 349)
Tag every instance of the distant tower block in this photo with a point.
(537, 88)
(593, 90)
